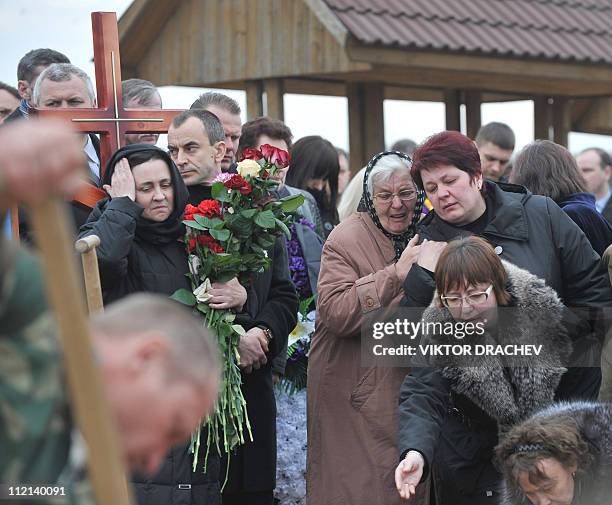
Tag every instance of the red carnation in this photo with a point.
(238, 182)
(275, 155)
(251, 153)
(210, 243)
(190, 211)
(209, 208)
(191, 245)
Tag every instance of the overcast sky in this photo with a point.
(65, 25)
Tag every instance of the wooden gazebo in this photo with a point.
(556, 52)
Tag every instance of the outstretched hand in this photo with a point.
(39, 158)
(408, 474)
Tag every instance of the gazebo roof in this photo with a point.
(554, 30)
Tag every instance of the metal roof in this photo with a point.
(551, 30)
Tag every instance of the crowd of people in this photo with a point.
(451, 232)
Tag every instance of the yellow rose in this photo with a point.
(248, 167)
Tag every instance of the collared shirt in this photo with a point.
(24, 108)
(92, 159)
(602, 202)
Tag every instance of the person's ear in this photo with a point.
(25, 92)
(150, 348)
(608, 172)
(220, 149)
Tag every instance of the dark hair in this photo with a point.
(10, 89)
(468, 261)
(273, 128)
(406, 146)
(140, 157)
(499, 134)
(219, 99)
(605, 159)
(538, 438)
(211, 124)
(38, 58)
(313, 157)
(548, 169)
(446, 148)
(139, 89)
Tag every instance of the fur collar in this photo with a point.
(509, 394)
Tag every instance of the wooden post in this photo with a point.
(105, 465)
(541, 118)
(274, 98)
(452, 100)
(15, 222)
(473, 118)
(254, 92)
(561, 120)
(86, 247)
(366, 122)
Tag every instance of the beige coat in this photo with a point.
(352, 411)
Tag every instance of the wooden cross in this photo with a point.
(110, 119)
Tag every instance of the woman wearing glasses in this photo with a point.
(454, 406)
(352, 410)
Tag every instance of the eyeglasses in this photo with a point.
(454, 302)
(405, 196)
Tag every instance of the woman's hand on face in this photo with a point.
(122, 182)
(408, 258)
(429, 254)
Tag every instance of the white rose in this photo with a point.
(248, 167)
(194, 264)
(201, 292)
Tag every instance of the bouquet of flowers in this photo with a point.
(298, 348)
(229, 236)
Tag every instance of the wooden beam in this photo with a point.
(473, 118)
(541, 118)
(366, 122)
(274, 98)
(561, 120)
(452, 100)
(326, 16)
(597, 118)
(507, 67)
(314, 87)
(413, 94)
(254, 97)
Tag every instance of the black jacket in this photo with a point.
(453, 410)
(137, 255)
(272, 302)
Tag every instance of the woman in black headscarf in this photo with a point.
(140, 228)
(365, 260)
(140, 224)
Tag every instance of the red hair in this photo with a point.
(446, 148)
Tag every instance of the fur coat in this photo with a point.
(593, 485)
(458, 408)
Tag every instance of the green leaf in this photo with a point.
(265, 219)
(292, 203)
(238, 329)
(284, 228)
(184, 296)
(221, 235)
(248, 213)
(194, 225)
(219, 192)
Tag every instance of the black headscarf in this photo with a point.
(152, 231)
(367, 205)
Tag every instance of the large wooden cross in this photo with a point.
(110, 119)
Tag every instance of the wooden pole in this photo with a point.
(87, 249)
(15, 222)
(254, 93)
(473, 118)
(452, 100)
(274, 98)
(106, 470)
